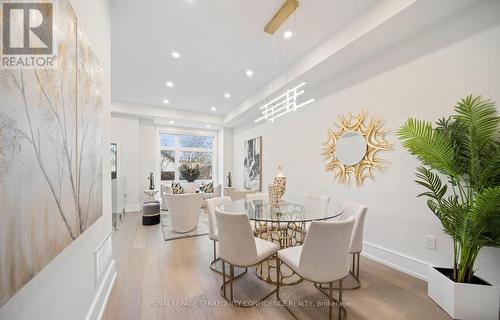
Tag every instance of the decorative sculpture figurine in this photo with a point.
(277, 190)
(229, 180)
(151, 181)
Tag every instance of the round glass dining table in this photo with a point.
(284, 224)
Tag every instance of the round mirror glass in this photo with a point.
(350, 148)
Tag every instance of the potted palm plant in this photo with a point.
(460, 170)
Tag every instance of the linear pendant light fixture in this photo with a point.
(284, 103)
(288, 100)
(280, 17)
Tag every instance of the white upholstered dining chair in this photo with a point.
(323, 259)
(238, 247)
(239, 194)
(358, 212)
(256, 196)
(212, 204)
(316, 203)
(184, 210)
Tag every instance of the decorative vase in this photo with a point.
(280, 182)
(274, 195)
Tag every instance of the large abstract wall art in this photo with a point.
(50, 154)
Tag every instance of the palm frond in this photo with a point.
(480, 126)
(431, 181)
(430, 147)
(479, 118)
(485, 217)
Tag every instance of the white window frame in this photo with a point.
(177, 149)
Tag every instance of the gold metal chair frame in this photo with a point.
(216, 259)
(223, 292)
(329, 295)
(285, 234)
(354, 273)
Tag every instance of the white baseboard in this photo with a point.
(101, 298)
(133, 207)
(396, 260)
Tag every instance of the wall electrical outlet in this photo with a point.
(430, 242)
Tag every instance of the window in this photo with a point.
(167, 164)
(187, 156)
(114, 160)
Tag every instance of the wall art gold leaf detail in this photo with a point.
(371, 129)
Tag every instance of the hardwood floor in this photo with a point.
(160, 279)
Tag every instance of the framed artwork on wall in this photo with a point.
(253, 164)
(51, 154)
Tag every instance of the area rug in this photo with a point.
(168, 233)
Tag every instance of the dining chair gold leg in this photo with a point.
(224, 277)
(278, 277)
(357, 267)
(216, 259)
(330, 306)
(215, 250)
(353, 273)
(340, 297)
(231, 278)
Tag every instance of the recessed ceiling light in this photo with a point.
(208, 126)
(213, 108)
(249, 72)
(165, 101)
(176, 54)
(227, 95)
(288, 34)
(169, 84)
(171, 122)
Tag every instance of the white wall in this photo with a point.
(65, 288)
(125, 132)
(427, 87)
(149, 156)
(225, 154)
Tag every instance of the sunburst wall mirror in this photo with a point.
(350, 151)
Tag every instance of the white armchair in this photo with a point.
(184, 210)
(323, 259)
(164, 190)
(190, 187)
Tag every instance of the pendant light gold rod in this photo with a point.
(280, 17)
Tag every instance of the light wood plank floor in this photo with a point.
(155, 276)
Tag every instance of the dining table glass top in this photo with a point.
(287, 211)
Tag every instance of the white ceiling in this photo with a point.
(218, 40)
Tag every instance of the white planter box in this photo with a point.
(461, 300)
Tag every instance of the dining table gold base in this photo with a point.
(285, 234)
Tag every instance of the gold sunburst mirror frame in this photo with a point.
(350, 132)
